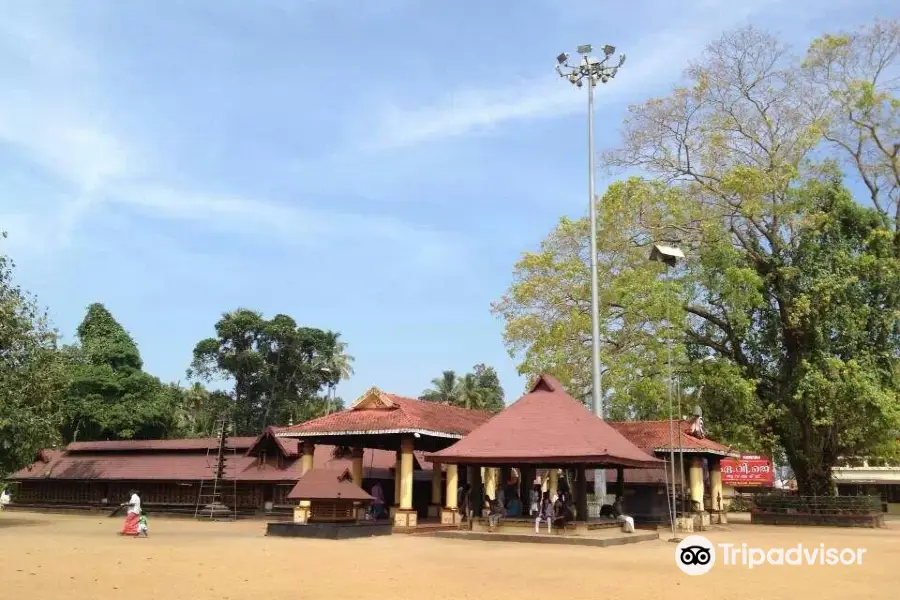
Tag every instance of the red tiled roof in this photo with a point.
(654, 436)
(179, 464)
(545, 426)
(327, 484)
(286, 446)
(194, 444)
(390, 413)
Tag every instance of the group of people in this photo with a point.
(556, 511)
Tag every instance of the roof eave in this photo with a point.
(599, 461)
(728, 453)
(396, 431)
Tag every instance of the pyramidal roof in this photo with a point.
(547, 427)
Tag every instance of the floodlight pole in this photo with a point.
(594, 71)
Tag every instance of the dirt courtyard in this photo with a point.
(55, 557)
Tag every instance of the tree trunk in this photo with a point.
(813, 472)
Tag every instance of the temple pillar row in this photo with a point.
(406, 474)
(307, 452)
(553, 485)
(450, 512)
(397, 478)
(490, 483)
(356, 466)
(696, 483)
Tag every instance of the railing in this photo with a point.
(780, 508)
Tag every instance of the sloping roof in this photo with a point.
(286, 446)
(327, 484)
(654, 436)
(186, 445)
(167, 464)
(545, 426)
(379, 413)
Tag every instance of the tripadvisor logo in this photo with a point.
(696, 555)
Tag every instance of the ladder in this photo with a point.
(211, 497)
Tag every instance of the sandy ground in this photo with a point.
(54, 557)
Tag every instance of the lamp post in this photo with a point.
(669, 255)
(595, 71)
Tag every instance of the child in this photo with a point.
(143, 529)
(545, 514)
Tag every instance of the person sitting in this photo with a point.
(514, 507)
(544, 514)
(497, 511)
(561, 514)
(376, 510)
(535, 501)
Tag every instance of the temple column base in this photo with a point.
(684, 524)
(393, 510)
(449, 516)
(405, 519)
(718, 518)
(301, 514)
(434, 510)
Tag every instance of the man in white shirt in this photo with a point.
(134, 504)
(134, 514)
(4, 499)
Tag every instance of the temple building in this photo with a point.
(421, 454)
(259, 472)
(696, 478)
(545, 429)
(856, 477)
(403, 427)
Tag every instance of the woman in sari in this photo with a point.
(134, 514)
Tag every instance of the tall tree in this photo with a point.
(487, 381)
(443, 389)
(109, 396)
(479, 389)
(783, 317)
(278, 369)
(31, 375)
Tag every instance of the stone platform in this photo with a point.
(601, 538)
(330, 531)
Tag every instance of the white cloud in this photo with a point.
(652, 60)
(101, 168)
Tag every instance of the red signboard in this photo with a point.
(748, 470)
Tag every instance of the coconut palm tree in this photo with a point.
(341, 362)
(443, 389)
(468, 393)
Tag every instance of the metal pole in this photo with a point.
(671, 423)
(597, 386)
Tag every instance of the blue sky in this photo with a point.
(374, 168)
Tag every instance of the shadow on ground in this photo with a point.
(20, 522)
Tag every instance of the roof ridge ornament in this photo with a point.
(546, 381)
(373, 398)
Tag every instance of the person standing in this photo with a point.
(134, 514)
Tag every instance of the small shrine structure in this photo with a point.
(329, 506)
(408, 427)
(545, 429)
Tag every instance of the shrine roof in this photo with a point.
(380, 413)
(327, 484)
(656, 437)
(546, 426)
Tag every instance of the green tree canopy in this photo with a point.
(783, 318)
(109, 396)
(479, 389)
(278, 369)
(31, 376)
